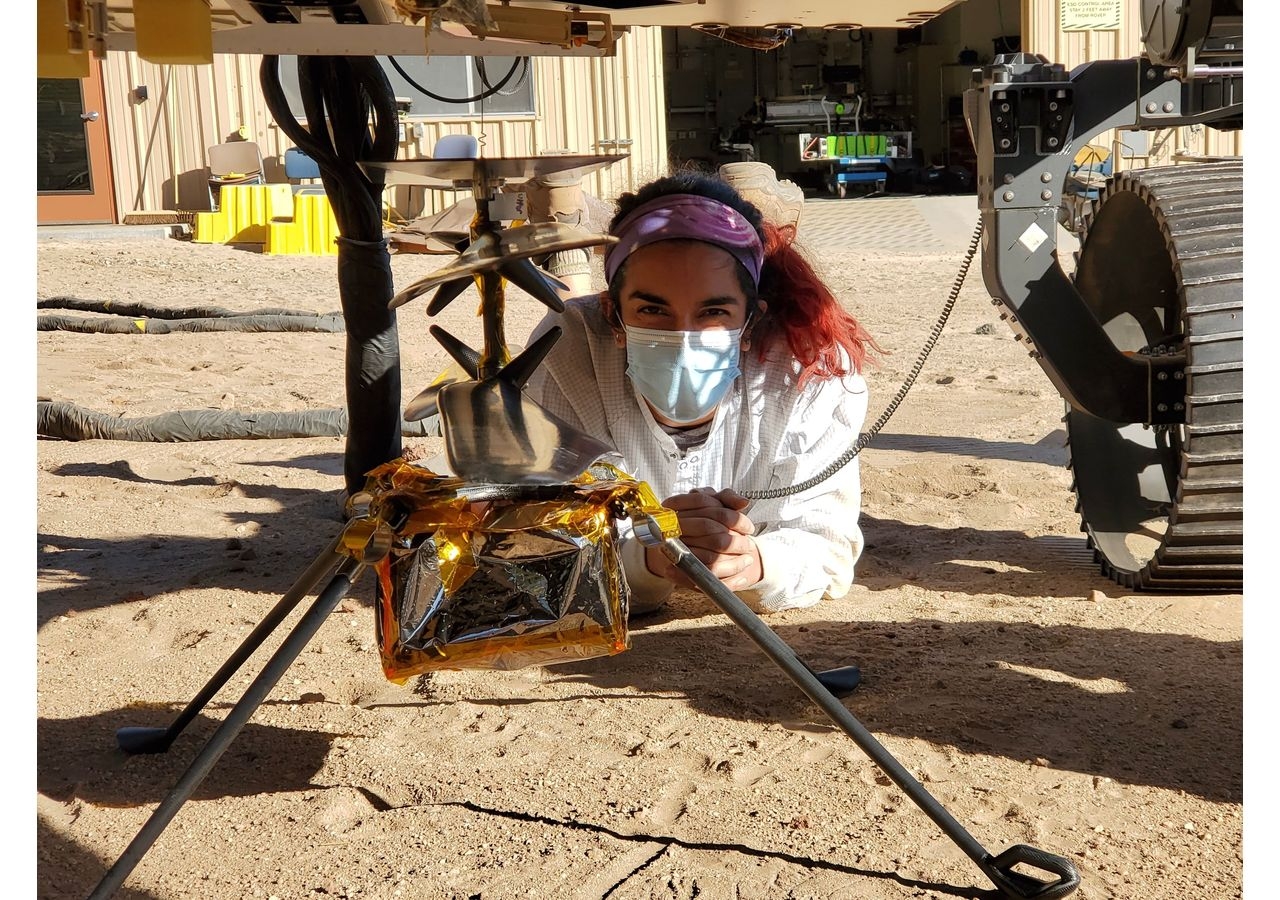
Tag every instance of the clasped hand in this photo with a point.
(717, 532)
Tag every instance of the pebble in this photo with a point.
(1096, 596)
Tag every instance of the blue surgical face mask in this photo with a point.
(683, 374)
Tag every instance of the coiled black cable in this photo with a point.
(351, 120)
(484, 76)
(865, 437)
(478, 97)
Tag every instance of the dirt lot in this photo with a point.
(1037, 701)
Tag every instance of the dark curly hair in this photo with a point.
(800, 307)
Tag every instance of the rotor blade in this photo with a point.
(541, 286)
(517, 371)
(480, 255)
(447, 293)
(462, 354)
(494, 433)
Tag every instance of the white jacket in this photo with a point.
(766, 434)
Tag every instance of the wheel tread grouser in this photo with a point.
(1199, 210)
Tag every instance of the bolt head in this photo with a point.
(1052, 142)
(1168, 106)
(1046, 177)
(1008, 196)
(1046, 195)
(1150, 107)
(1053, 104)
(1008, 179)
(1005, 143)
(1162, 407)
(1162, 376)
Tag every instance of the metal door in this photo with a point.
(73, 170)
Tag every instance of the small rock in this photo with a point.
(311, 697)
(234, 543)
(985, 328)
(1180, 723)
(71, 613)
(1041, 761)
(1096, 596)
(945, 379)
(348, 606)
(248, 553)
(1190, 826)
(228, 401)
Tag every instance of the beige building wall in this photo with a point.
(159, 146)
(1041, 33)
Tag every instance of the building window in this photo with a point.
(446, 76)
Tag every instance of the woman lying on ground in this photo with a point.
(717, 363)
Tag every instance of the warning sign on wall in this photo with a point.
(1089, 15)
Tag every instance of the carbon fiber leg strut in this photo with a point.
(337, 588)
(999, 868)
(135, 739)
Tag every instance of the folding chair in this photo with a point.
(299, 165)
(236, 162)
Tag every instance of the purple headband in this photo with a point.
(689, 217)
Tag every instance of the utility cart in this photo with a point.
(856, 158)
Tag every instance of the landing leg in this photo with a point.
(136, 739)
(303, 632)
(1000, 868)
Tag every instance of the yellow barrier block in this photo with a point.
(311, 215)
(174, 32)
(282, 239)
(279, 202)
(247, 208)
(210, 228)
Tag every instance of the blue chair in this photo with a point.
(298, 164)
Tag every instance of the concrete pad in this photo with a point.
(893, 223)
(110, 232)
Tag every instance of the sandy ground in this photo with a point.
(1037, 701)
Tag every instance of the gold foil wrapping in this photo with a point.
(501, 577)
